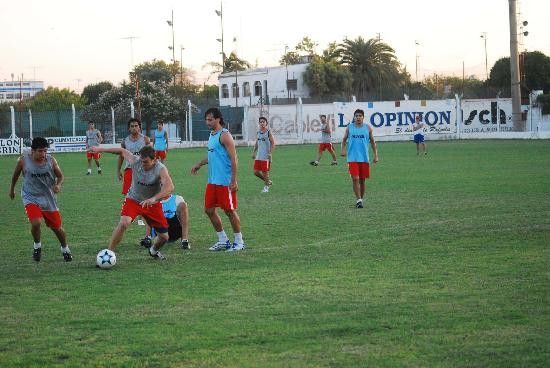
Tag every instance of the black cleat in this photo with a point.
(99, 171)
(334, 163)
(67, 256)
(313, 163)
(185, 244)
(146, 242)
(159, 256)
(359, 204)
(37, 254)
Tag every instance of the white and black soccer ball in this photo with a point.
(106, 259)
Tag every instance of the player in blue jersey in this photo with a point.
(177, 215)
(160, 142)
(358, 137)
(221, 190)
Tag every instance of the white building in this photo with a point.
(14, 91)
(263, 85)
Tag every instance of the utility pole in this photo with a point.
(514, 65)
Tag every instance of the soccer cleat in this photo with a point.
(185, 244)
(314, 163)
(88, 173)
(359, 204)
(220, 246)
(146, 242)
(37, 254)
(158, 255)
(266, 189)
(99, 171)
(67, 256)
(236, 247)
(334, 163)
(269, 183)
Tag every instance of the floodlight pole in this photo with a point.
(514, 64)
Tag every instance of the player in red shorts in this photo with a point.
(263, 149)
(151, 183)
(326, 142)
(42, 180)
(133, 143)
(93, 138)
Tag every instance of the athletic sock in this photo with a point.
(65, 249)
(37, 245)
(152, 250)
(239, 238)
(222, 236)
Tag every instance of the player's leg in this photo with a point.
(147, 240)
(119, 231)
(183, 216)
(235, 221)
(331, 151)
(259, 174)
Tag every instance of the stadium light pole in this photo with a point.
(219, 13)
(173, 48)
(514, 65)
(484, 36)
(416, 44)
(286, 67)
(181, 63)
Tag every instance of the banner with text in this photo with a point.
(481, 116)
(11, 146)
(67, 144)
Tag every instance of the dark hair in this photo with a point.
(91, 122)
(147, 151)
(160, 122)
(134, 120)
(359, 111)
(39, 142)
(322, 115)
(216, 114)
(263, 118)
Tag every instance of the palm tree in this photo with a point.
(231, 63)
(372, 64)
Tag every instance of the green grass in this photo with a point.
(447, 266)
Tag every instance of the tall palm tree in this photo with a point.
(231, 63)
(372, 64)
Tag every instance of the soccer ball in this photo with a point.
(106, 259)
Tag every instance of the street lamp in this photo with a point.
(484, 36)
(171, 24)
(286, 67)
(219, 13)
(181, 63)
(416, 44)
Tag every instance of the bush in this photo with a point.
(544, 101)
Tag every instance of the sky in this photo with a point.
(73, 43)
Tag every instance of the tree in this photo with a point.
(52, 99)
(328, 79)
(91, 92)
(536, 72)
(373, 66)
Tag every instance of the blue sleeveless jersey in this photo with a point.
(160, 142)
(358, 143)
(169, 207)
(219, 163)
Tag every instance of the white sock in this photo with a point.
(65, 249)
(89, 170)
(359, 200)
(239, 238)
(222, 236)
(37, 245)
(152, 250)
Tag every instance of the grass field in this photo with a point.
(447, 266)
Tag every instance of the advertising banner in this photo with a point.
(67, 144)
(481, 116)
(11, 146)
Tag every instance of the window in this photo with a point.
(1, 96)
(257, 88)
(292, 84)
(9, 84)
(246, 89)
(235, 89)
(26, 95)
(26, 84)
(225, 91)
(9, 96)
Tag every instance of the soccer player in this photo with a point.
(176, 213)
(42, 180)
(93, 138)
(360, 137)
(221, 190)
(151, 182)
(133, 143)
(160, 142)
(326, 142)
(418, 129)
(265, 144)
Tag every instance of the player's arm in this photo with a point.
(272, 141)
(344, 142)
(198, 165)
(99, 137)
(16, 172)
(373, 145)
(255, 150)
(119, 162)
(123, 152)
(147, 141)
(166, 188)
(58, 174)
(166, 139)
(227, 140)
